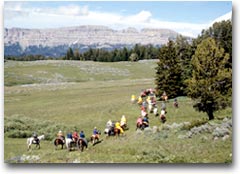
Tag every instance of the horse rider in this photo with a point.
(82, 136)
(163, 115)
(175, 103)
(109, 124)
(75, 136)
(69, 136)
(143, 111)
(60, 136)
(139, 121)
(164, 96)
(35, 136)
(133, 98)
(144, 104)
(123, 122)
(95, 133)
(117, 125)
(140, 100)
(145, 121)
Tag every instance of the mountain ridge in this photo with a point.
(83, 36)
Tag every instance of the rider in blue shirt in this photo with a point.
(82, 136)
(69, 135)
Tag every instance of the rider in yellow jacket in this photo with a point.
(117, 125)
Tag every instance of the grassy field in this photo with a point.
(46, 96)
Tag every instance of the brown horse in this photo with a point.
(95, 138)
(59, 141)
(138, 126)
(164, 98)
(116, 131)
(163, 118)
(81, 144)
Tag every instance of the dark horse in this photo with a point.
(116, 131)
(163, 118)
(81, 143)
(175, 104)
(139, 126)
(59, 141)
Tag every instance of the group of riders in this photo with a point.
(147, 103)
(116, 127)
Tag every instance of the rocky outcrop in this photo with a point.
(86, 35)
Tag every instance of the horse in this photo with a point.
(175, 104)
(95, 138)
(138, 126)
(116, 131)
(109, 130)
(163, 118)
(164, 98)
(70, 143)
(59, 141)
(81, 143)
(155, 111)
(36, 141)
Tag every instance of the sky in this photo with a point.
(187, 18)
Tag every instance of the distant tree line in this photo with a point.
(201, 69)
(28, 57)
(138, 52)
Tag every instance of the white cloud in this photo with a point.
(73, 10)
(226, 16)
(73, 15)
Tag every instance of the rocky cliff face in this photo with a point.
(100, 36)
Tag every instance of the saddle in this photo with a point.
(35, 140)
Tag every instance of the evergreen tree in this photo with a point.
(76, 54)
(168, 71)
(70, 55)
(211, 83)
(184, 52)
(222, 33)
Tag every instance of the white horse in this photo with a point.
(32, 140)
(70, 143)
(155, 111)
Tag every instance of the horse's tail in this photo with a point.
(55, 142)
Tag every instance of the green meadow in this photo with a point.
(48, 96)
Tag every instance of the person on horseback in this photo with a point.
(139, 122)
(69, 135)
(109, 124)
(133, 98)
(109, 128)
(60, 136)
(163, 115)
(82, 136)
(145, 122)
(123, 122)
(143, 111)
(95, 133)
(75, 136)
(164, 96)
(140, 100)
(117, 125)
(175, 103)
(144, 104)
(35, 137)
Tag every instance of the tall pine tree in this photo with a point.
(168, 72)
(211, 83)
